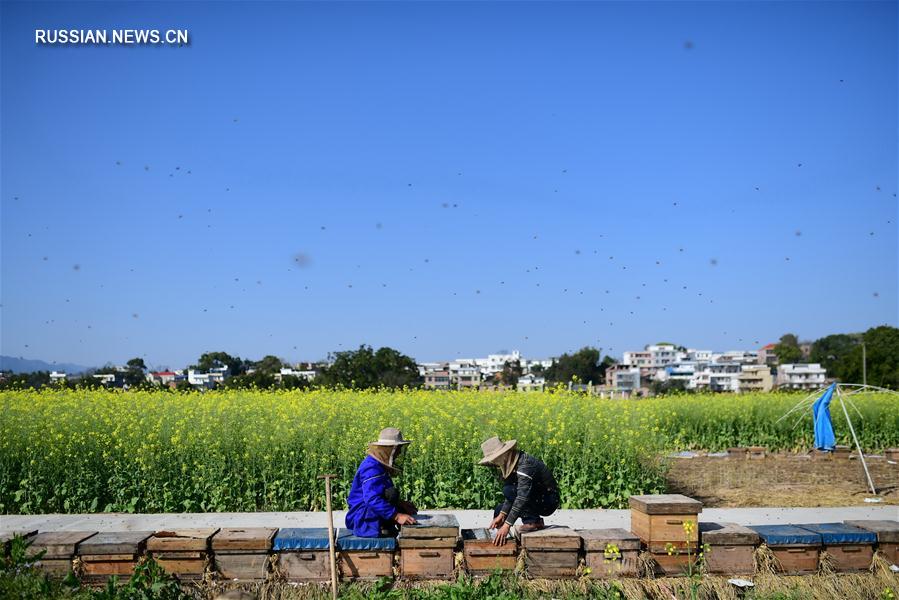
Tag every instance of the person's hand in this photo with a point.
(497, 521)
(407, 507)
(403, 519)
(501, 534)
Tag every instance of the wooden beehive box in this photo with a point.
(731, 548)
(551, 552)
(182, 552)
(365, 558)
(242, 554)
(111, 553)
(611, 552)
(887, 533)
(737, 452)
(482, 557)
(796, 550)
(891, 454)
(427, 548)
(59, 549)
(658, 520)
(757, 452)
(6, 537)
(842, 452)
(850, 548)
(303, 553)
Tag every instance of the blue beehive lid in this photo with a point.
(840, 533)
(301, 538)
(786, 535)
(347, 541)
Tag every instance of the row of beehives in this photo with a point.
(665, 540)
(761, 452)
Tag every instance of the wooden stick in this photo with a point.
(861, 454)
(331, 540)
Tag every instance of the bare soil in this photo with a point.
(782, 480)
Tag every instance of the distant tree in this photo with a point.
(537, 369)
(660, 388)
(292, 382)
(256, 379)
(136, 376)
(365, 368)
(215, 360)
(787, 349)
(510, 373)
(183, 386)
(585, 364)
(882, 353)
(20, 381)
(269, 364)
(833, 352)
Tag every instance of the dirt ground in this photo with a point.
(782, 480)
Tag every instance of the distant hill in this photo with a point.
(28, 365)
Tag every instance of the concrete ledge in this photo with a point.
(579, 519)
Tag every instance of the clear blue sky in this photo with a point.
(485, 176)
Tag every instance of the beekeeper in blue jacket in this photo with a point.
(375, 508)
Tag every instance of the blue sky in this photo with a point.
(457, 178)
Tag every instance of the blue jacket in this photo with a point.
(368, 508)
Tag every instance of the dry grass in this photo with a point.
(854, 586)
(790, 480)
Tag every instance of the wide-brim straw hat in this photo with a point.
(391, 436)
(494, 448)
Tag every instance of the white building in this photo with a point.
(737, 356)
(307, 374)
(464, 373)
(57, 376)
(623, 378)
(718, 377)
(698, 356)
(682, 371)
(213, 377)
(531, 383)
(801, 376)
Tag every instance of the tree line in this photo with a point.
(365, 367)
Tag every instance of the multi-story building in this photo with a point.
(162, 377)
(736, 356)
(766, 355)
(682, 371)
(800, 376)
(623, 378)
(755, 378)
(438, 379)
(464, 373)
(215, 376)
(717, 377)
(652, 359)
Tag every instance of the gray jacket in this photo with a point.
(533, 479)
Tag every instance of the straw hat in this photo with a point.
(391, 436)
(494, 448)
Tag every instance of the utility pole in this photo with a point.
(864, 365)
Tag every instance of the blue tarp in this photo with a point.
(824, 437)
(316, 538)
(840, 533)
(301, 538)
(786, 535)
(347, 541)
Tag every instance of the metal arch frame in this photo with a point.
(843, 398)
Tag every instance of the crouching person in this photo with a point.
(529, 488)
(375, 508)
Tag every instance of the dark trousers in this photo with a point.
(539, 505)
